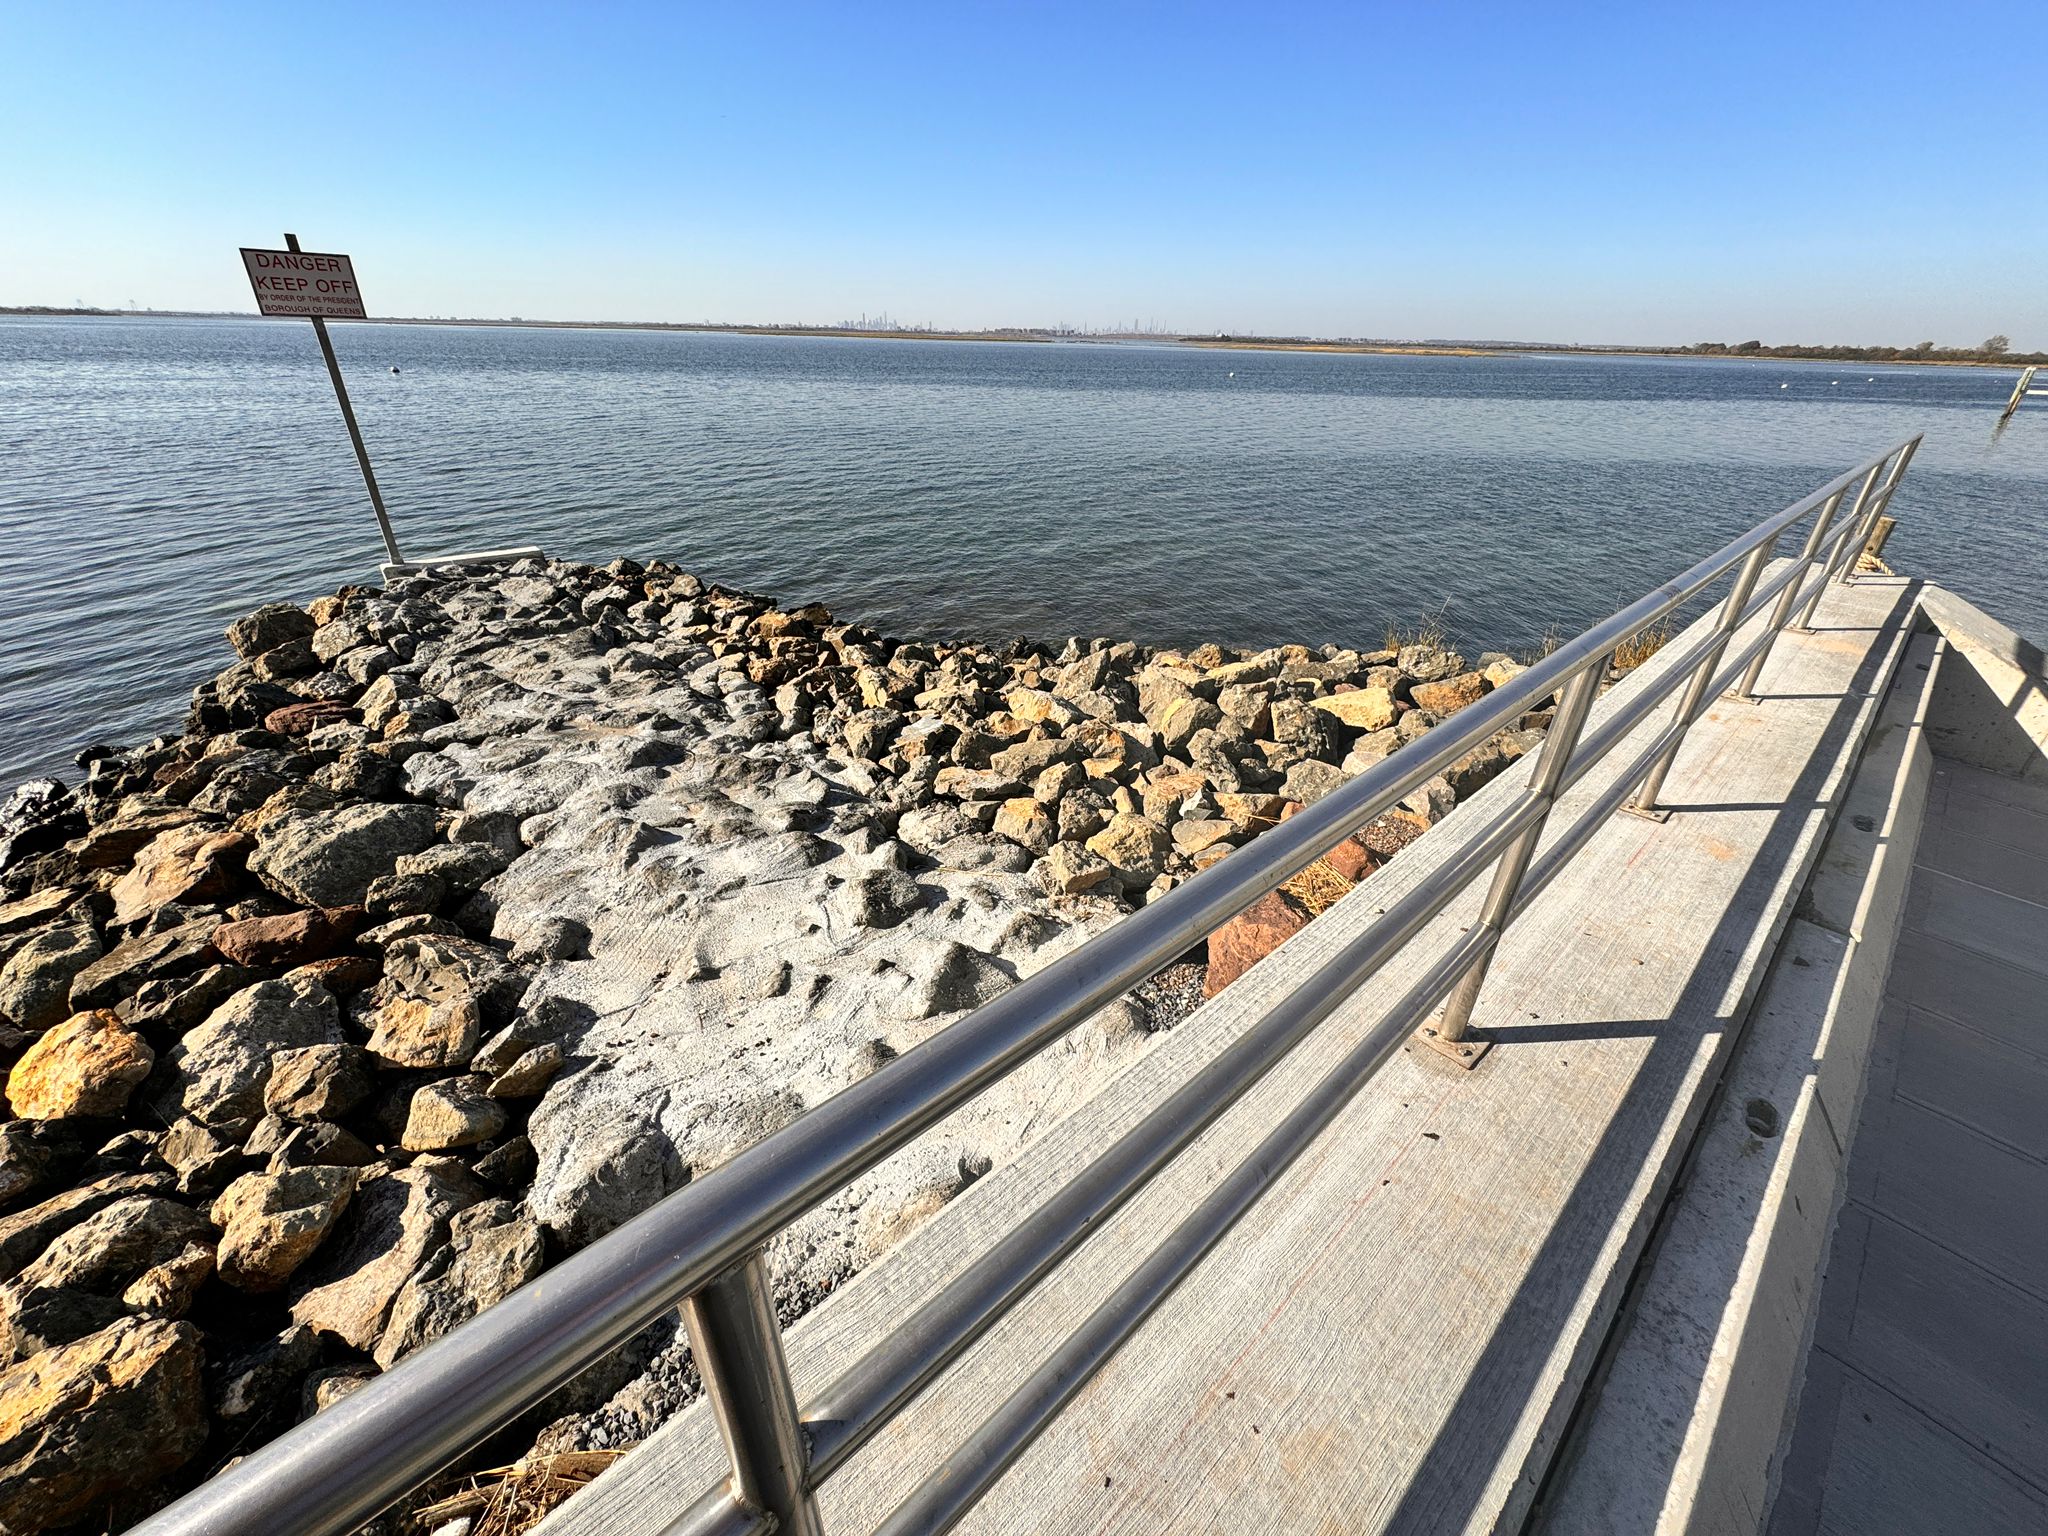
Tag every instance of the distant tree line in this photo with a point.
(1993, 349)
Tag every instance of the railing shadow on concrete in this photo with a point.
(702, 1247)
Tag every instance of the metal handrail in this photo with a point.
(702, 1246)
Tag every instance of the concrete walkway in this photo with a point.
(1925, 1407)
(1395, 1337)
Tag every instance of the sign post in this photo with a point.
(319, 287)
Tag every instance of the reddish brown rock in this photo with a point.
(1452, 694)
(188, 864)
(1352, 859)
(300, 719)
(290, 938)
(1252, 935)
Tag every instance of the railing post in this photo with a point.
(1868, 525)
(1746, 689)
(1695, 700)
(1553, 757)
(738, 1346)
(1832, 564)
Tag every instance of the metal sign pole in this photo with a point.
(355, 435)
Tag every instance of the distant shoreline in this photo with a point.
(1041, 337)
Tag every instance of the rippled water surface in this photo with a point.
(158, 478)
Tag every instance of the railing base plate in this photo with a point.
(1466, 1053)
(1656, 813)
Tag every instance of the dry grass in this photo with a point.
(1318, 888)
(1641, 646)
(1431, 629)
(505, 1501)
(1549, 642)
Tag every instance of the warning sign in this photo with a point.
(304, 284)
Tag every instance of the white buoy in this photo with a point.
(1231, 375)
(1784, 386)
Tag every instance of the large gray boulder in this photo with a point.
(267, 628)
(91, 1420)
(597, 1170)
(218, 1071)
(331, 858)
(394, 1223)
(493, 1249)
(35, 984)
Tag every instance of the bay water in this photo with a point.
(160, 477)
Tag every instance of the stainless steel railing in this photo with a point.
(701, 1248)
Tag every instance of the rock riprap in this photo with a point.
(467, 917)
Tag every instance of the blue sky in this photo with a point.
(1621, 173)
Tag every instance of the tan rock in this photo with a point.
(1193, 836)
(1034, 706)
(419, 1032)
(1069, 869)
(36, 908)
(88, 1421)
(317, 1082)
(455, 1112)
(1430, 801)
(1165, 793)
(271, 1222)
(1028, 822)
(1135, 846)
(1363, 709)
(1254, 813)
(526, 1077)
(167, 1288)
(1451, 694)
(190, 863)
(86, 1066)
(1371, 749)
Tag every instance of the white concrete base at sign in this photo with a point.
(393, 569)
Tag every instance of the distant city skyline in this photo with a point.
(1591, 174)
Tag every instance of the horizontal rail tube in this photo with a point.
(942, 1500)
(852, 1408)
(351, 1461)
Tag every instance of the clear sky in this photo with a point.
(1615, 173)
